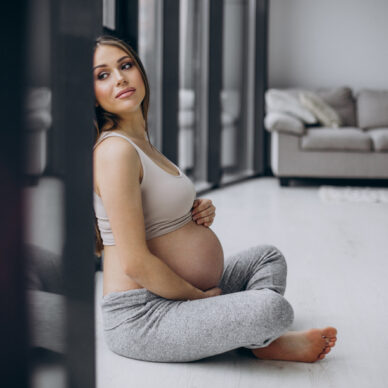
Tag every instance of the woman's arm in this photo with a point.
(117, 171)
(155, 275)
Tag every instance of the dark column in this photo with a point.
(77, 24)
(170, 79)
(260, 135)
(13, 313)
(127, 25)
(215, 55)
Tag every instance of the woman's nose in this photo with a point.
(120, 78)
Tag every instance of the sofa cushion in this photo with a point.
(283, 122)
(342, 101)
(372, 108)
(283, 101)
(325, 114)
(341, 139)
(379, 138)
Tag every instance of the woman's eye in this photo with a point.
(100, 76)
(125, 66)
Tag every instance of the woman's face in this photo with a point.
(115, 72)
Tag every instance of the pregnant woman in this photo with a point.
(167, 296)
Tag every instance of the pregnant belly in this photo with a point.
(193, 252)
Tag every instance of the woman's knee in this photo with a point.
(274, 255)
(273, 319)
(281, 313)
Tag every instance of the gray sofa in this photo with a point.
(358, 148)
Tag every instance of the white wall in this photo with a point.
(328, 43)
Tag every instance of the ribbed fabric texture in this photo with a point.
(167, 199)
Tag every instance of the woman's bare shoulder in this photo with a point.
(115, 155)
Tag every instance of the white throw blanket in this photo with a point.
(282, 101)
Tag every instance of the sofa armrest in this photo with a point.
(283, 122)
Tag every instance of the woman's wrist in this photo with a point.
(197, 294)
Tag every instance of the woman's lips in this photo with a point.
(126, 93)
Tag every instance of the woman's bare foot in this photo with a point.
(304, 346)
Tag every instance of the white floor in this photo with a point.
(337, 274)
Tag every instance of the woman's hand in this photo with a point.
(203, 211)
(212, 292)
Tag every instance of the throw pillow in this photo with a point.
(326, 115)
(282, 101)
(283, 122)
(341, 99)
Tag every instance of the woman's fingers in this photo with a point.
(202, 204)
(207, 221)
(201, 212)
(204, 218)
(205, 213)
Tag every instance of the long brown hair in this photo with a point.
(107, 121)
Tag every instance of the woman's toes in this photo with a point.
(326, 350)
(321, 357)
(329, 332)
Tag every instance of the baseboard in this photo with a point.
(315, 181)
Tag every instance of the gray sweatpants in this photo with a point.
(251, 312)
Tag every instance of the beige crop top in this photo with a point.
(167, 199)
